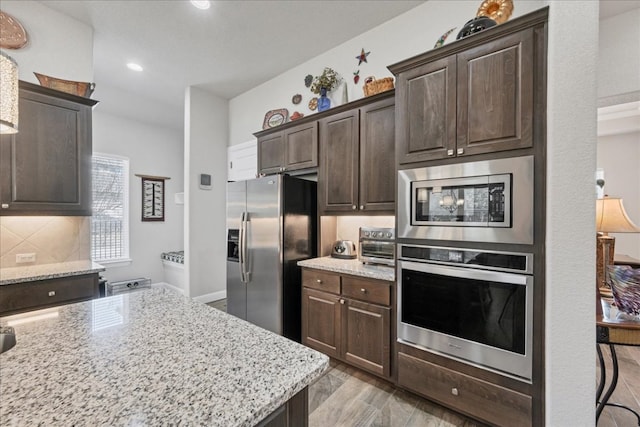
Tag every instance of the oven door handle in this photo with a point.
(465, 273)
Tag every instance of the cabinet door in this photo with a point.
(271, 153)
(426, 112)
(495, 95)
(321, 321)
(366, 337)
(301, 146)
(46, 166)
(377, 156)
(338, 175)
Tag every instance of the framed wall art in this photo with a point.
(153, 197)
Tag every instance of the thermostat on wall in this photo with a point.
(205, 181)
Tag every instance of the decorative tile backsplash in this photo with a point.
(52, 238)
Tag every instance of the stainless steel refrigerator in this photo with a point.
(271, 225)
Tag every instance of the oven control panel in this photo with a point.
(477, 258)
(377, 233)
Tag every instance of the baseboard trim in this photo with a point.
(168, 286)
(206, 298)
(213, 296)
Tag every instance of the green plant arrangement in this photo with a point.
(329, 79)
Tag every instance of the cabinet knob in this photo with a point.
(354, 207)
(52, 293)
(319, 280)
(5, 206)
(449, 152)
(363, 290)
(454, 391)
(361, 207)
(341, 301)
(460, 150)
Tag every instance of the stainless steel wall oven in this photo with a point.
(484, 201)
(472, 305)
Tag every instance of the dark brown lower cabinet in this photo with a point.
(321, 321)
(479, 399)
(348, 318)
(294, 413)
(20, 297)
(366, 341)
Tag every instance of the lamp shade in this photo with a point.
(612, 218)
(8, 94)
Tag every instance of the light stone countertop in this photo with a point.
(148, 358)
(32, 273)
(351, 266)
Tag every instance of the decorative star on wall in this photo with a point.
(362, 57)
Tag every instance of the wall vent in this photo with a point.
(121, 286)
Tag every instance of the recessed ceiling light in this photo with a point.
(201, 4)
(135, 67)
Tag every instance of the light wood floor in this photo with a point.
(345, 396)
(627, 391)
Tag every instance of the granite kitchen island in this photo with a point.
(147, 358)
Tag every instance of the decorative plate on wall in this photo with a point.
(296, 99)
(12, 33)
(275, 118)
(313, 104)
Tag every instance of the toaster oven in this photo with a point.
(377, 245)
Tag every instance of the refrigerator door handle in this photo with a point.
(241, 243)
(243, 248)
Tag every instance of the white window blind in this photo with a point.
(110, 220)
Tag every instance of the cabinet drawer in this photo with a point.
(320, 280)
(46, 293)
(479, 399)
(377, 292)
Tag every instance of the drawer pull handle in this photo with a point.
(363, 290)
(454, 391)
(5, 206)
(319, 281)
(52, 293)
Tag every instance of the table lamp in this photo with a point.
(610, 218)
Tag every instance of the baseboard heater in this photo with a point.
(122, 286)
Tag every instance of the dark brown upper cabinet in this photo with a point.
(45, 169)
(357, 159)
(291, 149)
(474, 97)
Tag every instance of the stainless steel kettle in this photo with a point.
(344, 249)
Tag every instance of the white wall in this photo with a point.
(151, 150)
(619, 156)
(619, 61)
(206, 136)
(409, 34)
(59, 46)
(570, 235)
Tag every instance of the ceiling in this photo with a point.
(227, 49)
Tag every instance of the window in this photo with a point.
(110, 220)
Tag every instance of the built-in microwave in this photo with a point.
(484, 201)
